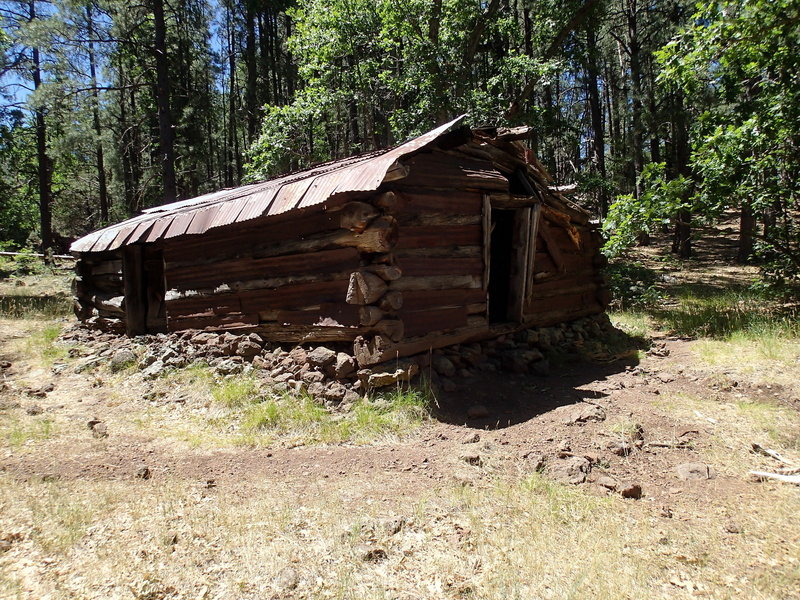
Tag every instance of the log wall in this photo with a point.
(98, 291)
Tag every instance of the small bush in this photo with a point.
(632, 285)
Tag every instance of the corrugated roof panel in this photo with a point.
(279, 195)
(179, 224)
(291, 195)
(141, 231)
(159, 227)
(108, 235)
(258, 204)
(226, 214)
(202, 217)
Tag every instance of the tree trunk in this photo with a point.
(44, 166)
(165, 133)
(101, 167)
(747, 230)
(252, 72)
(634, 49)
(598, 151)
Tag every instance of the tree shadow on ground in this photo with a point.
(508, 399)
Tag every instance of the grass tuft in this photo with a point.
(302, 419)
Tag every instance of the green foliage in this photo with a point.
(377, 72)
(740, 57)
(632, 285)
(715, 314)
(662, 198)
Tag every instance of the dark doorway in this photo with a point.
(143, 274)
(501, 257)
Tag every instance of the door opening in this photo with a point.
(501, 258)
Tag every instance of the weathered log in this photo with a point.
(388, 202)
(438, 282)
(425, 299)
(435, 219)
(431, 236)
(377, 349)
(380, 236)
(111, 304)
(215, 322)
(365, 288)
(440, 252)
(391, 328)
(369, 315)
(397, 171)
(391, 301)
(293, 296)
(422, 266)
(242, 269)
(301, 334)
(387, 272)
(326, 315)
(423, 200)
(546, 231)
(356, 216)
(436, 319)
(104, 268)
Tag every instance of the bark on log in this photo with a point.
(391, 328)
(369, 315)
(391, 301)
(438, 282)
(387, 272)
(365, 288)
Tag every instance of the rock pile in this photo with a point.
(330, 373)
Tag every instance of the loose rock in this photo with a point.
(288, 579)
(694, 471)
(582, 412)
(572, 470)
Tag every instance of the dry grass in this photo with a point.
(529, 538)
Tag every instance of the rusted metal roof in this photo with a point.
(314, 186)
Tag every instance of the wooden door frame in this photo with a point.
(526, 225)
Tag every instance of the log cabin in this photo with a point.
(457, 235)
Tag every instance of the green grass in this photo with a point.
(43, 344)
(236, 392)
(299, 418)
(707, 312)
(17, 433)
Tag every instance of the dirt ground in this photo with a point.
(460, 507)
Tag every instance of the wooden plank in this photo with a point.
(424, 299)
(417, 219)
(421, 266)
(519, 265)
(435, 236)
(555, 251)
(424, 201)
(486, 231)
(438, 319)
(531, 260)
(206, 275)
(439, 282)
(441, 252)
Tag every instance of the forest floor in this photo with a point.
(169, 499)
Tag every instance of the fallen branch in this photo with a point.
(759, 449)
(762, 475)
